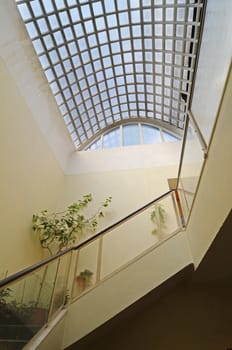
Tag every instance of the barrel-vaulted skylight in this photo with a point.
(113, 61)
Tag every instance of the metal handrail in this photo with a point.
(22, 273)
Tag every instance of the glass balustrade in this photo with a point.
(29, 302)
(25, 305)
(193, 159)
(60, 288)
(103, 256)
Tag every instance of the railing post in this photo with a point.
(53, 291)
(41, 285)
(99, 259)
(68, 272)
(180, 210)
(75, 272)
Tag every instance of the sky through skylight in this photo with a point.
(112, 61)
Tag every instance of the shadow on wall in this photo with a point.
(194, 314)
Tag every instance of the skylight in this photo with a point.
(111, 61)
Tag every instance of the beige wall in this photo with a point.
(124, 288)
(30, 177)
(214, 62)
(214, 198)
(130, 189)
(124, 158)
(34, 143)
(19, 56)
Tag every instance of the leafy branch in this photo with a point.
(64, 228)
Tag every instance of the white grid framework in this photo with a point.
(111, 61)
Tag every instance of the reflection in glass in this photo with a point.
(105, 255)
(25, 303)
(193, 159)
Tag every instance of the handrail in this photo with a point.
(44, 262)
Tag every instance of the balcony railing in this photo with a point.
(30, 299)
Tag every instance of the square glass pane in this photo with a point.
(150, 134)
(169, 137)
(24, 12)
(111, 139)
(130, 134)
(95, 145)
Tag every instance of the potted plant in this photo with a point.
(84, 279)
(58, 231)
(12, 312)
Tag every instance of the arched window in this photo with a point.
(132, 134)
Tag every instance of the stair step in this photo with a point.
(15, 331)
(9, 344)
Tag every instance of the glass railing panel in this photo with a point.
(29, 302)
(71, 274)
(60, 289)
(87, 267)
(193, 159)
(116, 248)
(24, 306)
(47, 286)
(139, 234)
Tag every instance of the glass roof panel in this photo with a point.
(150, 134)
(144, 51)
(131, 135)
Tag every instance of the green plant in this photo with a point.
(158, 217)
(4, 293)
(84, 278)
(12, 312)
(60, 230)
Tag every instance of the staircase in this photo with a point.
(17, 329)
(32, 298)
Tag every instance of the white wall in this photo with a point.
(124, 158)
(30, 177)
(130, 189)
(214, 62)
(124, 288)
(17, 52)
(214, 197)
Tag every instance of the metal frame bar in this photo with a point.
(99, 259)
